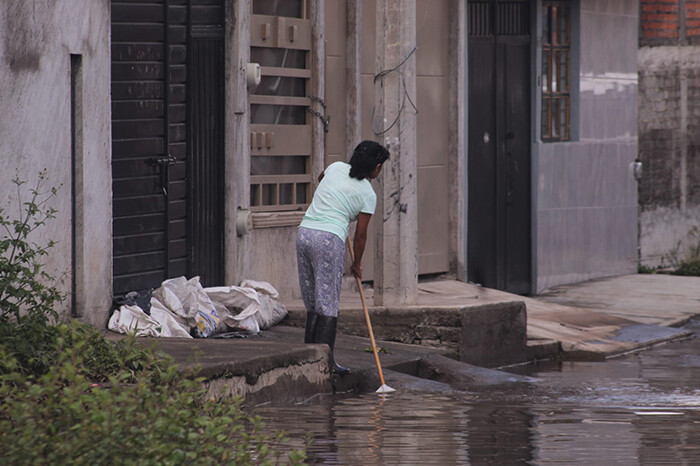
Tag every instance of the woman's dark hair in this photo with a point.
(366, 156)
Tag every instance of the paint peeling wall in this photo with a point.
(585, 193)
(37, 38)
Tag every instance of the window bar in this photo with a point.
(567, 116)
(258, 194)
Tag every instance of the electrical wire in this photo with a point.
(406, 96)
(379, 76)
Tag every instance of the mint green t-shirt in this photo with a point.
(338, 200)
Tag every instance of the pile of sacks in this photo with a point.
(183, 308)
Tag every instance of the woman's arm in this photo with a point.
(360, 242)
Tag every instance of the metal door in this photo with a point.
(153, 143)
(499, 224)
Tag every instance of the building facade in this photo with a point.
(512, 128)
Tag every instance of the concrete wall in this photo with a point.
(669, 139)
(37, 38)
(585, 194)
(669, 136)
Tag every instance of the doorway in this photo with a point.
(499, 215)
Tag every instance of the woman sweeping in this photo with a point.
(343, 195)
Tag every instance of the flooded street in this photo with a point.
(641, 408)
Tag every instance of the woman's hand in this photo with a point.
(356, 270)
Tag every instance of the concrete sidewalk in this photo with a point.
(591, 320)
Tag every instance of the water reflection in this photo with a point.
(639, 409)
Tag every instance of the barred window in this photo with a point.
(556, 71)
(280, 126)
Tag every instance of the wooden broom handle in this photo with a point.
(369, 324)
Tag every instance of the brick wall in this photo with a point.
(660, 20)
(692, 18)
(669, 22)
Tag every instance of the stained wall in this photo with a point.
(37, 38)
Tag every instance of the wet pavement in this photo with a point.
(641, 408)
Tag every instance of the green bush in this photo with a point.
(144, 412)
(69, 396)
(690, 267)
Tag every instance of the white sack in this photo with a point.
(161, 322)
(233, 297)
(250, 307)
(190, 305)
(132, 318)
(262, 315)
(170, 326)
(261, 287)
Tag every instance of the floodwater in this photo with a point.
(642, 408)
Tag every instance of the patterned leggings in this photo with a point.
(321, 261)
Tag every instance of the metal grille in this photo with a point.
(489, 18)
(512, 19)
(556, 69)
(480, 19)
(207, 158)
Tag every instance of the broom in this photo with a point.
(384, 388)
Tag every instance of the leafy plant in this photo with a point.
(26, 290)
(28, 295)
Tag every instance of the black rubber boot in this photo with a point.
(325, 333)
(310, 333)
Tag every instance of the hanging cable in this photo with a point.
(402, 82)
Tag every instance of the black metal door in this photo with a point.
(499, 224)
(153, 143)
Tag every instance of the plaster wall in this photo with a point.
(585, 193)
(274, 259)
(37, 38)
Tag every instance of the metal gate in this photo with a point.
(167, 141)
(499, 224)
